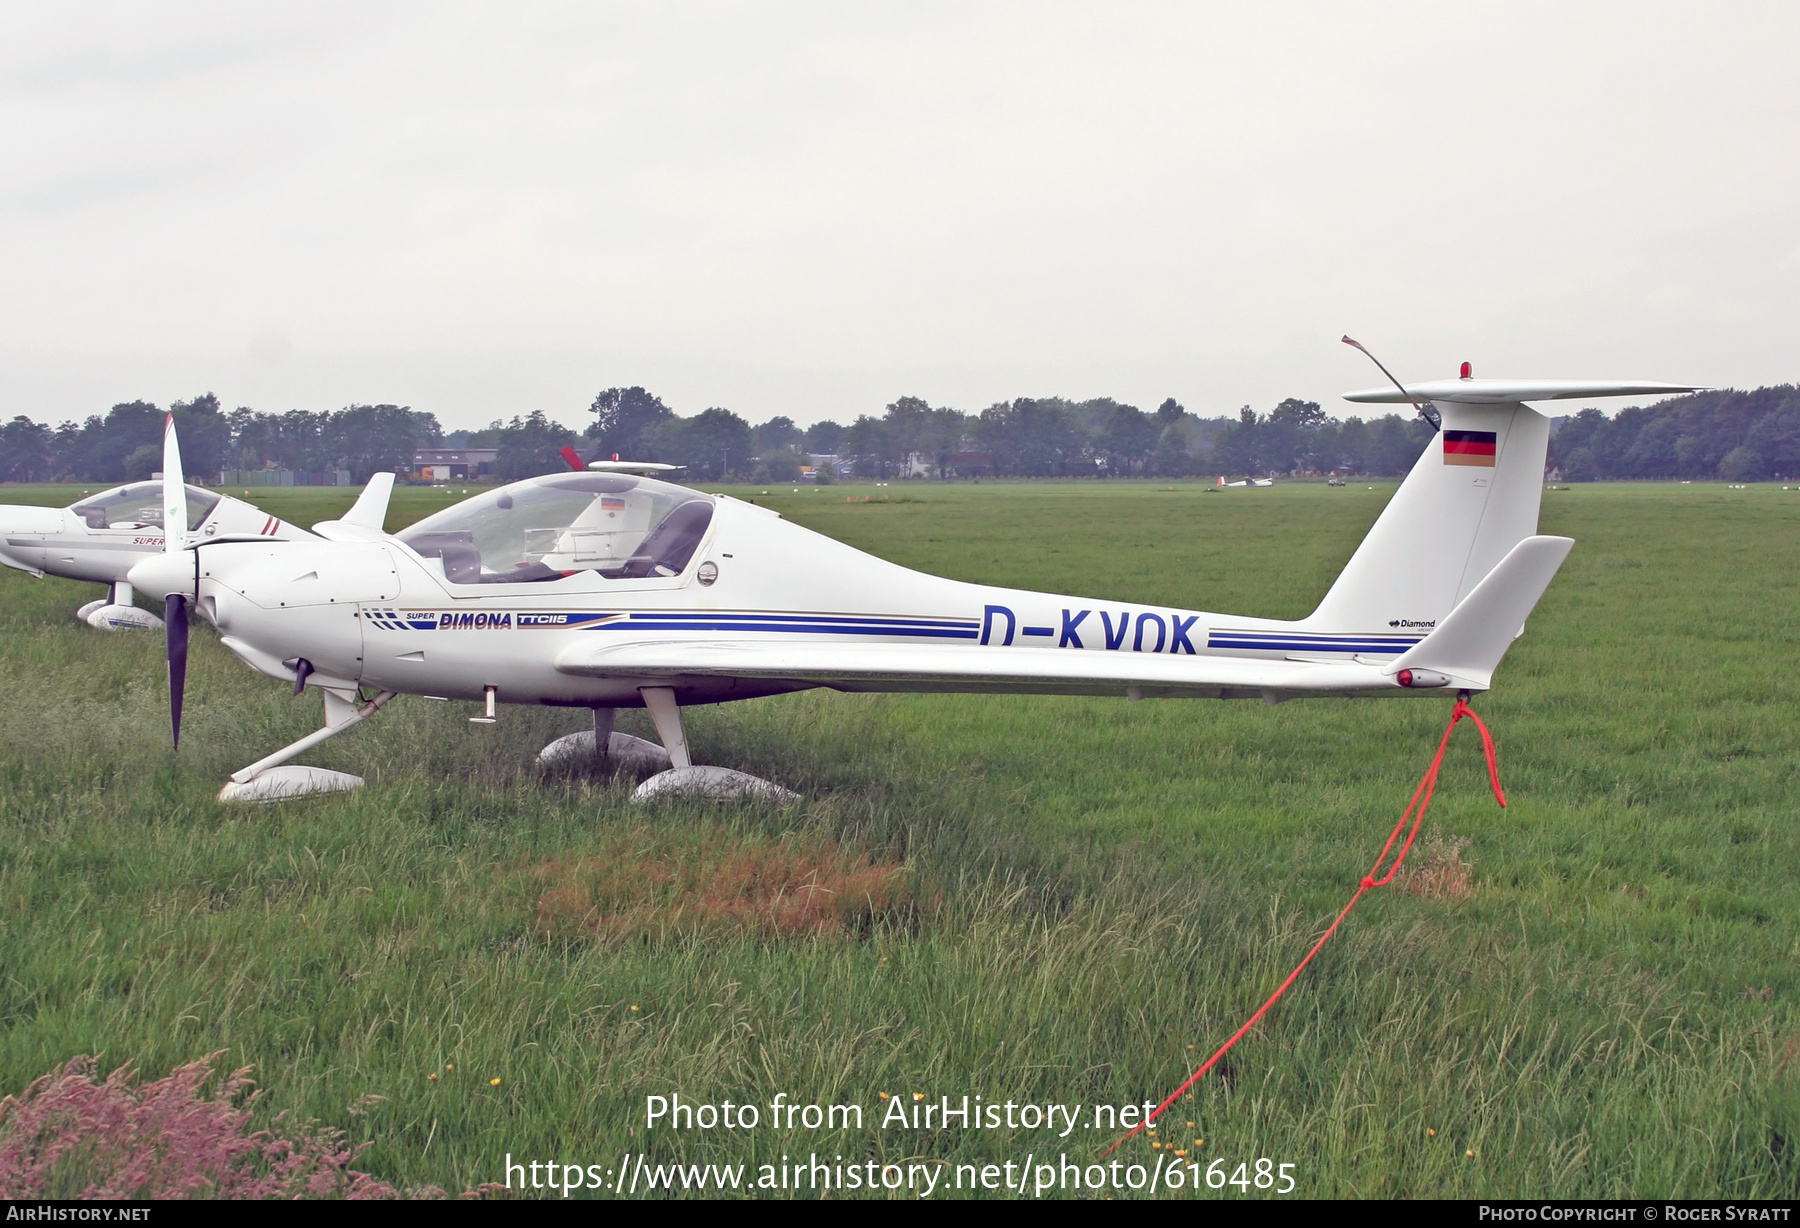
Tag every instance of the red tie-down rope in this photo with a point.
(1415, 810)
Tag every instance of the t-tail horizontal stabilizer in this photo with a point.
(1469, 391)
(1468, 644)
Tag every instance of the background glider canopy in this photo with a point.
(139, 506)
(1507, 391)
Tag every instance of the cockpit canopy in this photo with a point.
(139, 506)
(554, 526)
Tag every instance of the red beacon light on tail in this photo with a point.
(1468, 372)
(1421, 678)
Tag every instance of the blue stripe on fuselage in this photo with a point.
(844, 619)
(1291, 641)
(650, 622)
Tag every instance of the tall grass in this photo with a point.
(1095, 892)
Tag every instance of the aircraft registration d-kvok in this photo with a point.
(105, 535)
(612, 589)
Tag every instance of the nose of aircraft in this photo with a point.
(26, 522)
(275, 574)
(162, 574)
(281, 600)
(286, 575)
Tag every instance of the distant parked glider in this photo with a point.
(103, 536)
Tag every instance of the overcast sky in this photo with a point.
(812, 209)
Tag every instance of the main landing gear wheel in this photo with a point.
(684, 778)
(123, 618)
(115, 612)
(714, 784)
(607, 750)
(622, 750)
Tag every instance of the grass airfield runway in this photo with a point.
(1023, 898)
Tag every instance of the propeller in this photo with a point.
(175, 620)
(175, 613)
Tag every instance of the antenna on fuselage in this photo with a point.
(1426, 409)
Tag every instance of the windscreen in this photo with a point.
(554, 526)
(139, 506)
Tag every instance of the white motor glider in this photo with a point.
(105, 535)
(647, 469)
(604, 591)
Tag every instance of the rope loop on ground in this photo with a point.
(1415, 811)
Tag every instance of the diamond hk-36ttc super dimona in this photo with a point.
(103, 536)
(610, 589)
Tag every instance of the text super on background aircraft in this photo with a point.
(104, 536)
(607, 590)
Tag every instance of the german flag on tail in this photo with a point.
(1470, 448)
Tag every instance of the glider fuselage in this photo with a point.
(104, 535)
(756, 592)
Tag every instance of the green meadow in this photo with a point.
(1590, 993)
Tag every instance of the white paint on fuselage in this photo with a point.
(401, 626)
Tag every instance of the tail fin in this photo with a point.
(1468, 501)
(370, 508)
(365, 520)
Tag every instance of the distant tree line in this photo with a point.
(1025, 437)
(126, 444)
(635, 425)
(1734, 435)
(1297, 437)
(1738, 436)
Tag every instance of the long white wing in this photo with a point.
(909, 667)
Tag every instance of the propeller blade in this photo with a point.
(175, 514)
(175, 618)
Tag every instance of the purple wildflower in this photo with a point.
(69, 1136)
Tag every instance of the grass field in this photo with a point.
(1062, 900)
